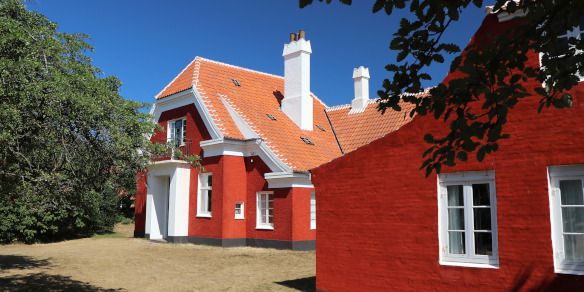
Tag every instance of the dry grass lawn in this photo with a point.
(118, 262)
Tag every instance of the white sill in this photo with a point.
(469, 265)
(312, 228)
(204, 215)
(239, 218)
(265, 227)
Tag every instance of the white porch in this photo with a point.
(167, 200)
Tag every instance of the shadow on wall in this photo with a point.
(38, 281)
(303, 284)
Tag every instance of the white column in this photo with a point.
(178, 219)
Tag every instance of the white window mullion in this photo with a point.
(469, 220)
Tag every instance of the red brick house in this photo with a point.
(258, 134)
(512, 222)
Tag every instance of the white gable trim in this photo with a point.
(278, 180)
(183, 98)
(245, 148)
(243, 127)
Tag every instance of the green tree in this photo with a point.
(492, 74)
(68, 141)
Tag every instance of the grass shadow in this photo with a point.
(9, 262)
(46, 282)
(307, 284)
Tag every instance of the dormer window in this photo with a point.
(177, 131)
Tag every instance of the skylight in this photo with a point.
(306, 140)
(236, 82)
(320, 127)
(271, 117)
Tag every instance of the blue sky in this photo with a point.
(146, 43)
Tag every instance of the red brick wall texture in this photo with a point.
(378, 214)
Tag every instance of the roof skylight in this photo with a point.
(320, 127)
(306, 140)
(236, 82)
(271, 117)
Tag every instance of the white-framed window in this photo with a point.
(205, 195)
(177, 131)
(239, 211)
(467, 214)
(313, 210)
(566, 184)
(265, 210)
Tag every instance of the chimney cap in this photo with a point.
(361, 72)
(301, 34)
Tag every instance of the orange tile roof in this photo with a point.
(260, 94)
(357, 129)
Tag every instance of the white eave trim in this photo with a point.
(245, 148)
(187, 97)
(227, 147)
(278, 180)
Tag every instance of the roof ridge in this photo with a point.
(253, 71)
(157, 96)
(239, 67)
(348, 105)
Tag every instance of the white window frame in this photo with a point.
(555, 174)
(170, 129)
(313, 210)
(241, 208)
(259, 201)
(469, 259)
(203, 195)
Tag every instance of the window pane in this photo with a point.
(184, 130)
(456, 242)
(483, 243)
(203, 200)
(270, 219)
(178, 131)
(456, 219)
(573, 219)
(209, 196)
(210, 180)
(455, 196)
(571, 191)
(482, 218)
(480, 195)
(574, 247)
(171, 130)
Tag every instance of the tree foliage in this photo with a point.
(68, 140)
(492, 73)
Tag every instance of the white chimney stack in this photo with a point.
(297, 103)
(361, 99)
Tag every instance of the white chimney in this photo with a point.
(297, 103)
(361, 100)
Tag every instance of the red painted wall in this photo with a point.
(234, 190)
(140, 205)
(234, 179)
(378, 214)
(301, 214)
(256, 169)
